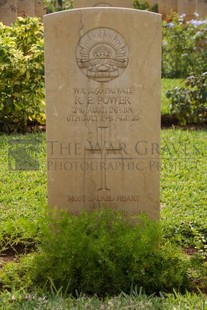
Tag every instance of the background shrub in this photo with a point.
(21, 74)
(103, 254)
(141, 5)
(58, 5)
(184, 47)
(189, 103)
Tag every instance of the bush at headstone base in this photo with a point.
(189, 103)
(21, 75)
(103, 253)
(184, 47)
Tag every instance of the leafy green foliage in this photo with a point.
(58, 5)
(23, 197)
(141, 5)
(183, 188)
(22, 300)
(21, 74)
(184, 47)
(102, 253)
(189, 103)
(168, 84)
(144, 5)
(183, 220)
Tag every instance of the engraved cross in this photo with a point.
(102, 149)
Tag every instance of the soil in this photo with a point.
(12, 254)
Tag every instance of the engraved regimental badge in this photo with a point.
(102, 54)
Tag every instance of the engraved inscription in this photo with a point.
(104, 104)
(105, 198)
(104, 151)
(102, 54)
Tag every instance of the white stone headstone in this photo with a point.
(201, 8)
(187, 7)
(8, 12)
(25, 8)
(103, 109)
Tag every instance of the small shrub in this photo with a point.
(141, 5)
(21, 74)
(17, 273)
(144, 5)
(184, 47)
(189, 103)
(103, 254)
(58, 5)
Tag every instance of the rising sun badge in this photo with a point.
(102, 54)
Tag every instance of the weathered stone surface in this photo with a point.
(99, 3)
(103, 109)
(162, 7)
(25, 8)
(39, 8)
(187, 7)
(8, 12)
(153, 2)
(201, 8)
(171, 5)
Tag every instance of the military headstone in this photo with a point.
(39, 8)
(99, 3)
(187, 7)
(25, 8)
(8, 12)
(171, 5)
(162, 7)
(103, 109)
(152, 2)
(201, 8)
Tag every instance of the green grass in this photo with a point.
(184, 182)
(24, 301)
(22, 196)
(23, 201)
(166, 85)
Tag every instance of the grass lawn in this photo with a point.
(23, 202)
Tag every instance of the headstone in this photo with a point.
(25, 8)
(8, 12)
(187, 7)
(152, 2)
(103, 109)
(171, 5)
(201, 8)
(99, 3)
(39, 8)
(162, 7)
